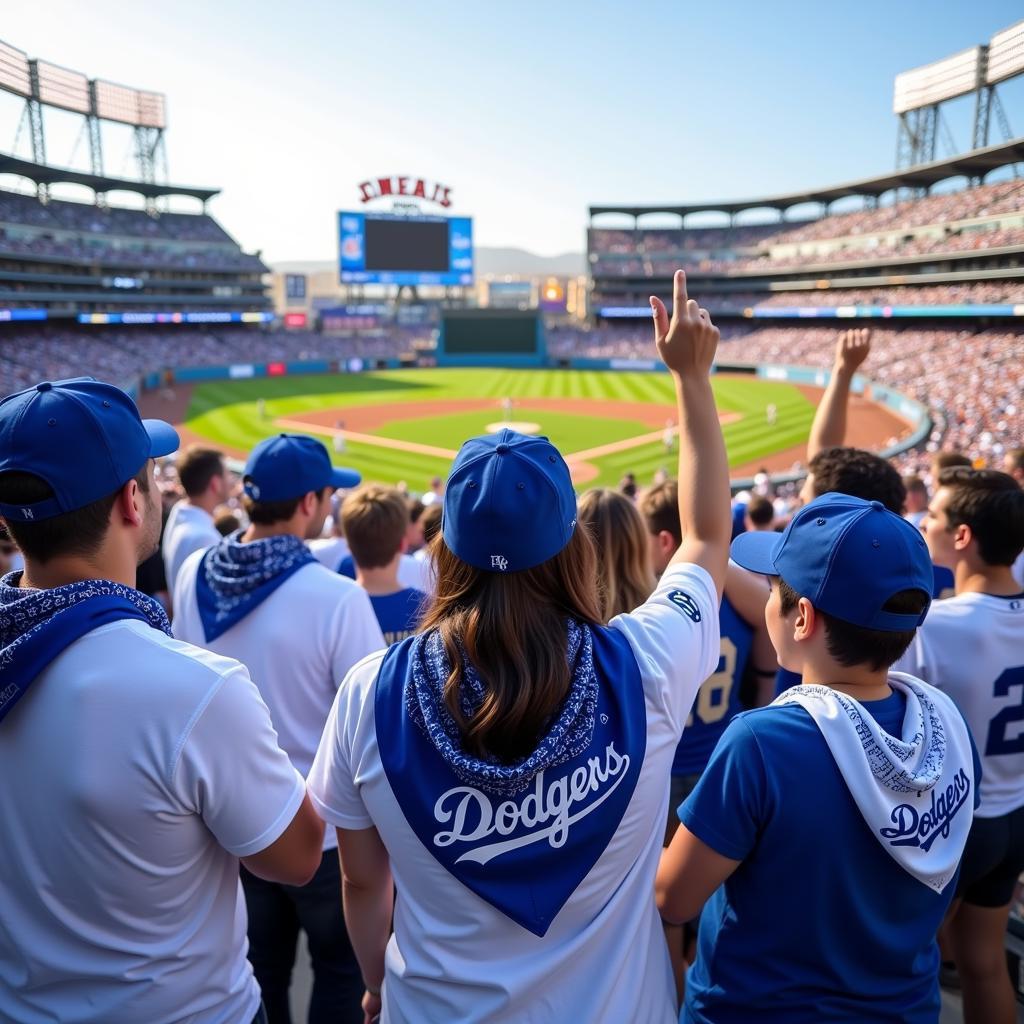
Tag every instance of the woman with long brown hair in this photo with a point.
(623, 551)
(506, 769)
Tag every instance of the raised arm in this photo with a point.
(829, 426)
(686, 345)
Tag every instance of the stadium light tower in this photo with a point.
(918, 95)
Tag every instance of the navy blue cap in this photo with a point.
(847, 556)
(509, 504)
(83, 437)
(290, 465)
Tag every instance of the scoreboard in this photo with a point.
(384, 248)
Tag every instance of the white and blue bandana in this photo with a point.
(522, 836)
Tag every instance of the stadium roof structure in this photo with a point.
(45, 174)
(975, 164)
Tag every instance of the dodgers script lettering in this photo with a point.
(546, 812)
(913, 828)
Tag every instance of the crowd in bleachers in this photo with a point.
(123, 356)
(117, 237)
(657, 252)
(1008, 292)
(96, 220)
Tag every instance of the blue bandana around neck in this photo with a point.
(521, 836)
(234, 579)
(37, 625)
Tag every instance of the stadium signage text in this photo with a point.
(404, 185)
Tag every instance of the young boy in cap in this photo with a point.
(972, 648)
(375, 520)
(261, 596)
(826, 831)
(137, 770)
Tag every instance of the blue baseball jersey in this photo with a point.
(818, 922)
(398, 614)
(718, 699)
(347, 567)
(945, 584)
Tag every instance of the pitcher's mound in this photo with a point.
(520, 426)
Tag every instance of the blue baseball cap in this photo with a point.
(290, 465)
(847, 556)
(509, 504)
(83, 437)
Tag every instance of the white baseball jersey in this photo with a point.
(971, 646)
(136, 773)
(189, 528)
(298, 645)
(453, 955)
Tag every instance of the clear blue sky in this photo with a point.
(530, 111)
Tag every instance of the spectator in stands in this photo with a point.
(856, 472)
(414, 532)
(759, 513)
(435, 493)
(1013, 463)
(947, 460)
(916, 504)
(190, 526)
(847, 765)
(138, 769)
(376, 520)
(971, 648)
(628, 486)
(261, 596)
(226, 521)
(623, 555)
(512, 690)
(746, 652)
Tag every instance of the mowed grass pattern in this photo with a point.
(226, 412)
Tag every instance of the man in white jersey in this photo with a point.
(137, 769)
(190, 526)
(972, 647)
(262, 597)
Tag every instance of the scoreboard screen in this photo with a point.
(491, 333)
(393, 249)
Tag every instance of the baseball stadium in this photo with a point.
(402, 349)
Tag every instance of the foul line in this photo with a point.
(447, 453)
(371, 439)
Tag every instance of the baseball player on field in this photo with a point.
(971, 647)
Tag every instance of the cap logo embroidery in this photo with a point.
(27, 513)
(499, 562)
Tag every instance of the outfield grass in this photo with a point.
(226, 412)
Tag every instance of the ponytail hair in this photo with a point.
(512, 628)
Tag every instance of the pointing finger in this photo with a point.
(679, 296)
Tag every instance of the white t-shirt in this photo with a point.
(136, 771)
(971, 646)
(189, 528)
(298, 646)
(329, 551)
(453, 956)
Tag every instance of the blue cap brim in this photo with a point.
(341, 477)
(163, 438)
(756, 551)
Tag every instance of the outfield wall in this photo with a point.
(914, 412)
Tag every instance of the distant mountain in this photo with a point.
(497, 261)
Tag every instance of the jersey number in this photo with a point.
(998, 742)
(713, 695)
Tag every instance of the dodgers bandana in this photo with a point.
(915, 791)
(521, 836)
(233, 579)
(37, 625)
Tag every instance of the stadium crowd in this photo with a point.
(282, 695)
(128, 354)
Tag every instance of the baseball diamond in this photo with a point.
(408, 424)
